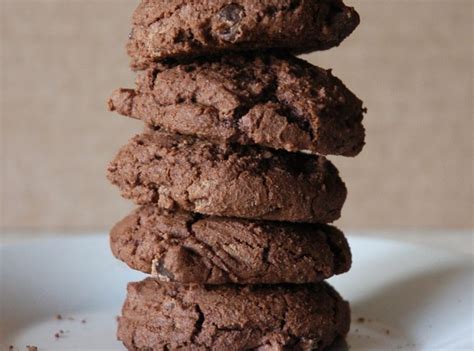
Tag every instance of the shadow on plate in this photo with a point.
(408, 304)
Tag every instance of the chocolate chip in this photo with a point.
(160, 268)
(229, 17)
(231, 13)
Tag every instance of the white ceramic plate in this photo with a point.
(403, 297)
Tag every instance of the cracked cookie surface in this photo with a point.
(178, 172)
(189, 248)
(169, 316)
(185, 29)
(274, 100)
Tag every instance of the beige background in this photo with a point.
(410, 61)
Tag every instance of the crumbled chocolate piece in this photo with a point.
(163, 272)
(229, 17)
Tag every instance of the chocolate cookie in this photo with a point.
(277, 101)
(177, 172)
(170, 316)
(190, 248)
(184, 29)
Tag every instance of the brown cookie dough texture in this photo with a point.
(185, 29)
(170, 316)
(188, 248)
(177, 172)
(274, 100)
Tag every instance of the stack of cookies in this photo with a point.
(230, 174)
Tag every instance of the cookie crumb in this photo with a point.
(361, 320)
(59, 317)
(60, 333)
(31, 348)
(387, 331)
(11, 347)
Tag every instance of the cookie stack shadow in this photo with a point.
(230, 174)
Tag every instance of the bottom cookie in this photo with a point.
(170, 316)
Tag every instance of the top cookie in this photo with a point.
(190, 28)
